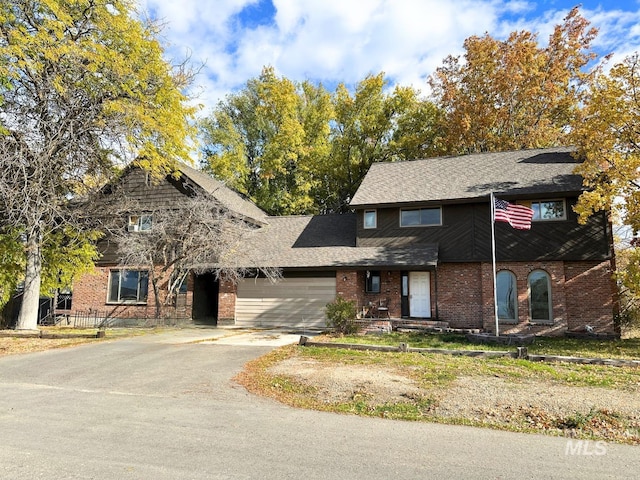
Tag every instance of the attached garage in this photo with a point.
(292, 301)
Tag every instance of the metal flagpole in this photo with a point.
(493, 257)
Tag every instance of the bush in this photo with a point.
(341, 315)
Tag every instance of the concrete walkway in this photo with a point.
(166, 407)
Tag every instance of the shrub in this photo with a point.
(341, 316)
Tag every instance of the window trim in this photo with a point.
(540, 219)
(368, 281)
(548, 321)
(119, 301)
(421, 225)
(509, 321)
(375, 219)
(135, 222)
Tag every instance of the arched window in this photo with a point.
(507, 293)
(540, 297)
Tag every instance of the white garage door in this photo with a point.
(296, 302)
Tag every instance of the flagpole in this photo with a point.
(493, 258)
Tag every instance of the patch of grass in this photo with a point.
(18, 345)
(626, 348)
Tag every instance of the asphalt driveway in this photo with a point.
(164, 407)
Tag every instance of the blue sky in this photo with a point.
(336, 41)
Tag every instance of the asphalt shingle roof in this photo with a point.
(523, 172)
(324, 241)
(225, 195)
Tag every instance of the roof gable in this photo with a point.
(225, 195)
(467, 177)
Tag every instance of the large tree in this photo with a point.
(296, 148)
(372, 125)
(514, 94)
(265, 140)
(83, 85)
(607, 135)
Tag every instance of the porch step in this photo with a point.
(420, 324)
(377, 326)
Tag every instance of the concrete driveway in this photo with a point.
(164, 407)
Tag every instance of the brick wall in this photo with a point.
(521, 270)
(460, 294)
(227, 302)
(90, 297)
(591, 301)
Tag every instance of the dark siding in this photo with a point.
(147, 196)
(465, 235)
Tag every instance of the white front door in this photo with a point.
(419, 294)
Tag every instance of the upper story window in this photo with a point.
(370, 219)
(548, 210)
(420, 217)
(128, 286)
(140, 223)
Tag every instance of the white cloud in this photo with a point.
(342, 40)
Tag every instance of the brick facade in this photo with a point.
(582, 294)
(461, 294)
(90, 297)
(227, 303)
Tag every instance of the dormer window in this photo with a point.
(370, 219)
(140, 223)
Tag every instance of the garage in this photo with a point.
(291, 301)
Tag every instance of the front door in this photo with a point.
(419, 294)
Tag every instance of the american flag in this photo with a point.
(518, 216)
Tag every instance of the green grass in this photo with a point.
(628, 348)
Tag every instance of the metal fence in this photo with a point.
(105, 319)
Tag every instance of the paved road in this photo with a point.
(159, 407)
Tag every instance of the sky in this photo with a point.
(342, 41)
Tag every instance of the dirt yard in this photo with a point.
(523, 404)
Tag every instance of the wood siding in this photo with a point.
(147, 196)
(465, 236)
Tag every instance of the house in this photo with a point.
(419, 242)
(114, 290)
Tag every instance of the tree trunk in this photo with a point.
(28, 316)
(156, 294)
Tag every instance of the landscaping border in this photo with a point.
(521, 353)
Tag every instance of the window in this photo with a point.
(370, 219)
(128, 286)
(373, 282)
(420, 217)
(540, 297)
(140, 223)
(507, 293)
(548, 210)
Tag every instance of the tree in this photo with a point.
(373, 126)
(84, 86)
(263, 141)
(513, 94)
(295, 148)
(194, 235)
(607, 136)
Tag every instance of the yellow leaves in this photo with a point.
(608, 139)
(512, 94)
